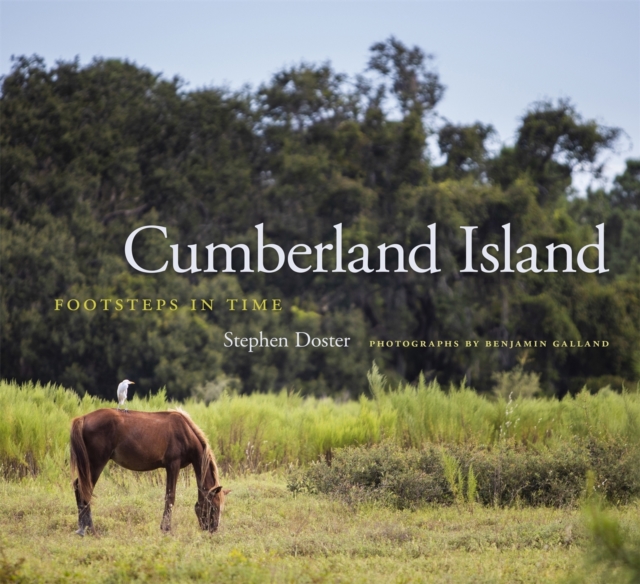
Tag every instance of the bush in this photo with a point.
(617, 469)
(502, 476)
(507, 476)
(383, 473)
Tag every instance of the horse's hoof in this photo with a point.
(80, 532)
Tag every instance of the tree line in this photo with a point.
(90, 153)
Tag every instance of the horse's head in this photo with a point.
(210, 508)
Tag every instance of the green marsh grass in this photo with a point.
(263, 432)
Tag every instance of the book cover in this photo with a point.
(368, 302)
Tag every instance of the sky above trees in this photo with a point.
(495, 58)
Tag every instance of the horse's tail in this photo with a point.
(80, 460)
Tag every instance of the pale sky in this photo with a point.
(495, 57)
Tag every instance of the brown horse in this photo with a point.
(145, 441)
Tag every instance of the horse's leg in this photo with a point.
(84, 511)
(173, 470)
(85, 521)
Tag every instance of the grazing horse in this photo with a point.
(145, 441)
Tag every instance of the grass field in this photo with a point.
(267, 535)
(271, 534)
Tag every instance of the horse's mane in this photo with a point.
(208, 459)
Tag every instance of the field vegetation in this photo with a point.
(269, 536)
(413, 484)
(264, 432)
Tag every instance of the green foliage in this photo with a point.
(516, 383)
(89, 153)
(384, 473)
(553, 140)
(453, 475)
(614, 547)
(472, 486)
(464, 147)
(265, 431)
(500, 477)
(415, 87)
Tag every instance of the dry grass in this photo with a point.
(269, 536)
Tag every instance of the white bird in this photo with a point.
(122, 393)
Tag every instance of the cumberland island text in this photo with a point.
(421, 258)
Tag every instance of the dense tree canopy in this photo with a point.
(89, 153)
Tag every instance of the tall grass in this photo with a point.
(265, 431)
(425, 413)
(34, 424)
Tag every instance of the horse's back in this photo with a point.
(110, 419)
(136, 440)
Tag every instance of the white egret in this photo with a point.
(122, 393)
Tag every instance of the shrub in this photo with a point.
(516, 383)
(506, 476)
(384, 473)
(502, 476)
(617, 469)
